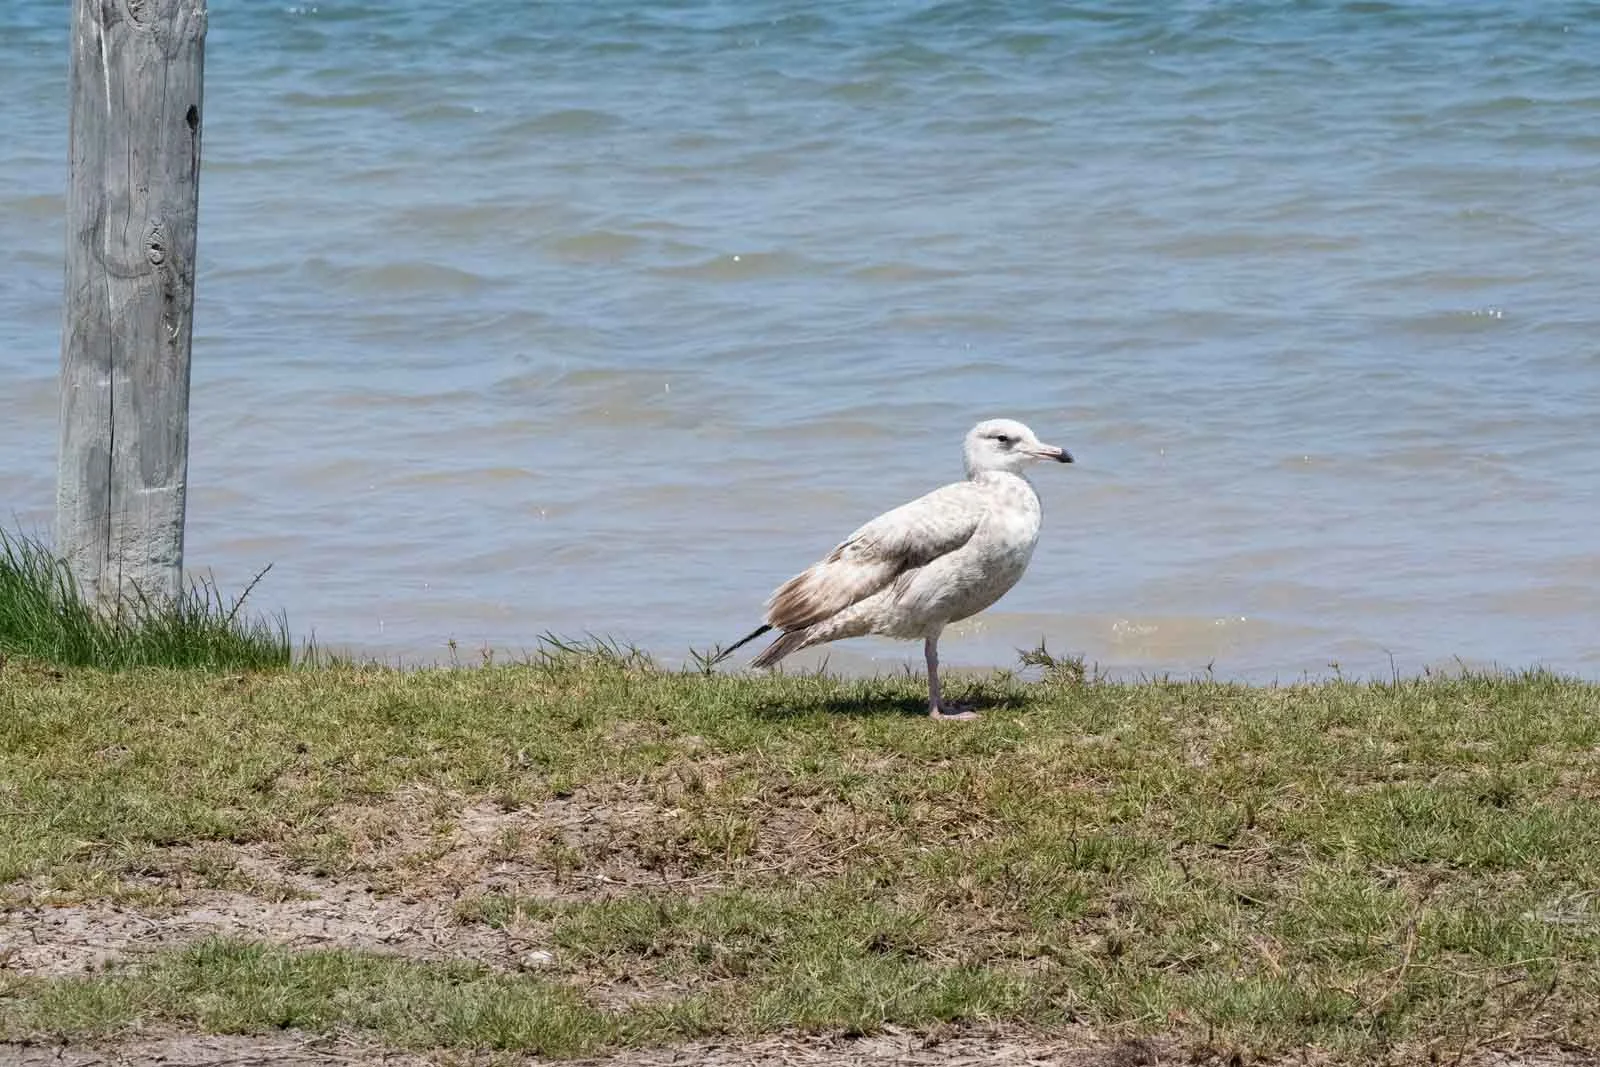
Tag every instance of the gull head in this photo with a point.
(1007, 445)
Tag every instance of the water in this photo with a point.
(605, 317)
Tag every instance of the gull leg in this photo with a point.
(937, 708)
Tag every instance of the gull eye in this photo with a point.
(1004, 439)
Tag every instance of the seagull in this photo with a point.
(912, 571)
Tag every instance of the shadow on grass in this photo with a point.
(869, 704)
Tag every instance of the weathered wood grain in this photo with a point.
(132, 205)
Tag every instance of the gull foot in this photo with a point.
(951, 713)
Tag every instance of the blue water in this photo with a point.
(603, 317)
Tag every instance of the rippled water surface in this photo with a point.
(606, 317)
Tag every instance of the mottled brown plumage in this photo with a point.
(872, 557)
(785, 644)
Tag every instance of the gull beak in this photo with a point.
(1060, 455)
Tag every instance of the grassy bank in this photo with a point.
(43, 617)
(603, 855)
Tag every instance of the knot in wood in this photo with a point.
(156, 241)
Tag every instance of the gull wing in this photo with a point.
(910, 536)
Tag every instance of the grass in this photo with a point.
(230, 987)
(43, 617)
(1346, 867)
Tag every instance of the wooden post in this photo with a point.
(132, 202)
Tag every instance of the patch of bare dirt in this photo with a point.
(401, 897)
(41, 939)
(278, 1050)
(960, 1049)
(900, 1049)
(583, 847)
(411, 860)
(565, 849)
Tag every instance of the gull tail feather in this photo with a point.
(785, 644)
(745, 640)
